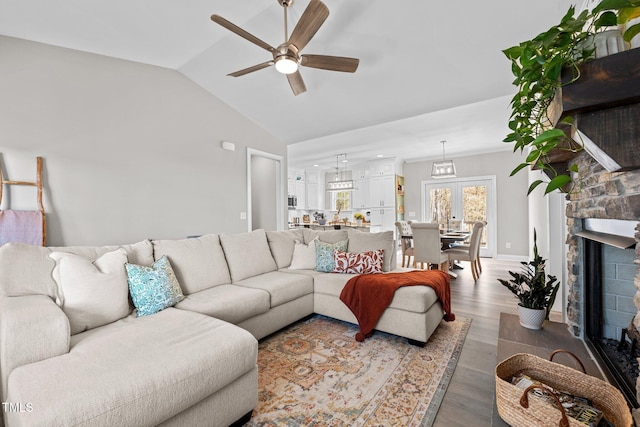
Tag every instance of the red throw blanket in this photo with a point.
(368, 295)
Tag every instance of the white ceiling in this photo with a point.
(429, 71)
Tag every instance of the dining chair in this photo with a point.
(466, 245)
(427, 246)
(406, 243)
(469, 252)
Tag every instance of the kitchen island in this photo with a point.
(331, 226)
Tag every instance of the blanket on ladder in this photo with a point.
(368, 295)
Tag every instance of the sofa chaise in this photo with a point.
(193, 363)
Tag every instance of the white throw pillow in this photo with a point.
(91, 294)
(304, 256)
(198, 263)
(247, 254)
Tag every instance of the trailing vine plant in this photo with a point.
(537, 65)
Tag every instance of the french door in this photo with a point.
(463, 201)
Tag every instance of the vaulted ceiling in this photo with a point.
(429, 71)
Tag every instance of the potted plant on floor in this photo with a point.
(534, 288)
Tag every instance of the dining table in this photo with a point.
(448, 238)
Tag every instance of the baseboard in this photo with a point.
(504, 257)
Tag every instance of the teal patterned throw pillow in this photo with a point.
(325, 262)
(153, 288)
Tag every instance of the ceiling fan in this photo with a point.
(287, 57)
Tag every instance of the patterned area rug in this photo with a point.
(314, 373)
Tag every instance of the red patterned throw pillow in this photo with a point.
(360, 263)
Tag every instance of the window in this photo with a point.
(342, 201)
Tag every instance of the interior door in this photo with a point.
(266, 200)
(465, 199)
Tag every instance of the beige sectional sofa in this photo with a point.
(190, 364)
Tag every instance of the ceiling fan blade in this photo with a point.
(310, 22)
(251, 69)
(242, 33)
(333, 63)
(296, 83)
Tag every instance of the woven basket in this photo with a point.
(603, 395)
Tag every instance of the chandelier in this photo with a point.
(342, 181)
(444, 168)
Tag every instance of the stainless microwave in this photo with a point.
(292, 201)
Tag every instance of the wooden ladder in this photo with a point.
(38, 185)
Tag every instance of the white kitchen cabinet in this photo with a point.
(382, 191)
(360, 173)
(313, 196)
(360, 197)
(382, 168)
(382, 219)
(314, 191)
(297, 188)
(300, 193)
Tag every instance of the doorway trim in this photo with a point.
(492, 206)
(280, 179)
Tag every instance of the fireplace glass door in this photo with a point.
(610, 310)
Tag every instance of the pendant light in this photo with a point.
(342, 181)
(443, 169)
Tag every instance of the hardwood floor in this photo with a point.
(470, 396)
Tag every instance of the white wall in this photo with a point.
(547, 216)
(131, 151)
(512, 215)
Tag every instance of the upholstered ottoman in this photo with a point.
(415, 311)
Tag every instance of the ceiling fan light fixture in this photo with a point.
(444, 168)
(286, 64)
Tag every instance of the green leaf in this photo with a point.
(627, 14)
(611, 5)
(519, 168)
(533, 185)
(567, 120)
(607, 19)
(557, 182)
(574, 168)
(533, 155)
(513, 52)
(548, 135)
(553, 68)
(631, 32)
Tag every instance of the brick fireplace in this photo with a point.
(611, 196)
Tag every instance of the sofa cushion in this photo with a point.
(27, 269)
(136, 371)
(247, 254)
(360, 241)
(282, 287)
(304, 256)
(281, 244)
(360, 263)
(416, 299)
(325, 260)
(91, 294)
(153, 288)
(230, 303)
(198, 263)
(329, 236)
